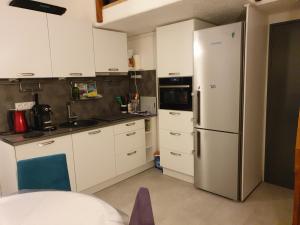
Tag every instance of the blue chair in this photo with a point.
(44, 173)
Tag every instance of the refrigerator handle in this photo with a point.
(198, 144)
(198, 107)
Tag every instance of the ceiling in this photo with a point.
(213, 11)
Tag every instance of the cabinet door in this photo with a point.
(24, 44)
(127, 161)
(71, 44)
(175, 49)
(61, 145)
(94, 157)
(181, 121)
(110, 51)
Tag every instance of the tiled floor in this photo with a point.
(176, 202)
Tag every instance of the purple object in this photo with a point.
(142, 211)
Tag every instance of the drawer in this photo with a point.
(177, 161)
(176, 120)
(130, 160)
(175, 140)
(129, 126)
(53, 146)
(130, 140)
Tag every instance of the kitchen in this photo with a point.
(80, 77)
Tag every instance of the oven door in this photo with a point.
(175, 97)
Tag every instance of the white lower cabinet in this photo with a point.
(180, 141)
(175, 120)
(126, 161)
(53, 146)
(94, 157)
(177, 161)
(130, 146)
(176, 141)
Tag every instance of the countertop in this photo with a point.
(18, 139)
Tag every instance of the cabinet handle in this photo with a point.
(175, 154)
(46, 143)
(198, 107)
(113, 69)
(95, 132)
(174, 74)
(175, 134)
(174, 113)
(130, 134)
(131, 153)
(76, 74)
(130, 124)
(27, 74)
(198, 144)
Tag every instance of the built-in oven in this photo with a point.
(175, 93)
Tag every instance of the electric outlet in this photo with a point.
(24, 105)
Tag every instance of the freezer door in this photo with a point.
(216, 162)
(217, 80)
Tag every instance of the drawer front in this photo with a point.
(53, 146)
(130, 140)
(175, 140)
(177, 161)
(176, 120)
(130, 160)
(129, 126)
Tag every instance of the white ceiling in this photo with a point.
(214, 11)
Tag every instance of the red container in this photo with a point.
(20, 123)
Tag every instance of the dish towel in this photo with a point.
(142, 211)
(49, 172)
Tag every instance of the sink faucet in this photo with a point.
(71, 116)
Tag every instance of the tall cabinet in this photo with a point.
(175, 48)
(175, 58)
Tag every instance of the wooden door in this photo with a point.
(296, 220)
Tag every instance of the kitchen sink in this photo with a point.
(79, 123)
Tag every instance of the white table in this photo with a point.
(56, 208)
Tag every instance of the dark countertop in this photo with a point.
(18, 139)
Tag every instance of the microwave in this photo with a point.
(175, 93)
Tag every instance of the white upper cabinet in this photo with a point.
(24, 44)
(71, 44)
(110, 51)
(175, 48)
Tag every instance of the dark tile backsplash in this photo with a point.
(56, 93)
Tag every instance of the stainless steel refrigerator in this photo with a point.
(218, 63)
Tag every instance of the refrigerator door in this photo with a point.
(216, 162)
(217, 80)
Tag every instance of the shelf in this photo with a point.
(88, 99)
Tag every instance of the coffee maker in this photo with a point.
(42, 116)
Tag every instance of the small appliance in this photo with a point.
(17, 121)
(175, 93)
(42, 116)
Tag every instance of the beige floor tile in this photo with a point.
(176, 202)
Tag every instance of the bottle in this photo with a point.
(75, 92)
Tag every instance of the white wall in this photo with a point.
(145, 46)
